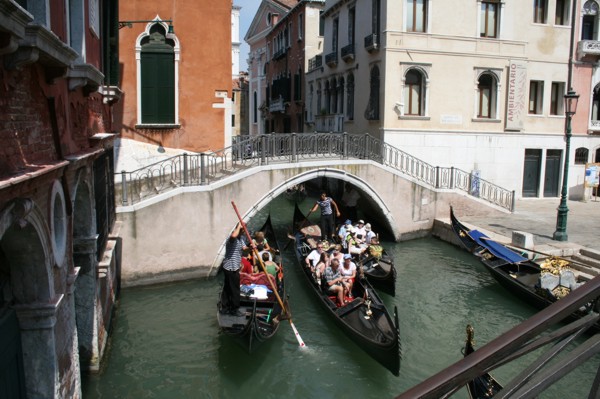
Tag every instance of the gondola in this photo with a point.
(484, 386)
(381, 272)
(364, 318)
(262, 312)
(519, 275)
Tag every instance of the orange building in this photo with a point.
(175, 59)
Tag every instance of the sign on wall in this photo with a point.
(516, 104)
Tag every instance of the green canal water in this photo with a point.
(166, 343)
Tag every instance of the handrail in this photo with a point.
(212, 166)
(516, 340)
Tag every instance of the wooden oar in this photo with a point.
(264, 269)
(537, 252)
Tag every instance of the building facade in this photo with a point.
(177, 73)
(289, 42)
(481, 90)
(59, 249)
(268, 14)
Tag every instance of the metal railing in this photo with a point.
(523, 339)
(209, 167)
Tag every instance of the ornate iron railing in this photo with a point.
(209, 167)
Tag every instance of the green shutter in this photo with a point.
(158, 83)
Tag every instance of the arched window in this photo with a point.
(589, 21)
(372, 111)
(333, 94)
(414, 92)
(595, 114)
(350, 97)
(157, 84)
(581, 156)
(486, 96)
(340, 96)
(327, 98)
(319, 99)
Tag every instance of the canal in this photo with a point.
(166, 344)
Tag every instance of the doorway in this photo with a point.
(552, 175)
(531, 173)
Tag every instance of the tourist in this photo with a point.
(230, 301)
(348, 272)
(271, 267)
(343, 230)
(259, 239)
(337, 253)
(247, 266)
(353, 246)
(323, 263)
(370, 234)
(313, 257)
(360, 231)
(334, 281)
(375, 250)
(327, 205)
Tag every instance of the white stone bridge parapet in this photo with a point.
(180, 229)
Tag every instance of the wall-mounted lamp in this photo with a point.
(129, 24)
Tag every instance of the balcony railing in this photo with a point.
(348, 52)
(277, 105)
(372, 43)
(315, 62)
(588, 47)
(331, 59)
(209, 167)
(280, 53)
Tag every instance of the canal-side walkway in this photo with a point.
(538, 217)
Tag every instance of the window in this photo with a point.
(321, 24)
(536, 94)
(562, 12)
(581, 156)
(372, 112)
(540, 8)
(157, 77)
(255, 108)
(588, 23)
(595, 114)
(319, 99)
(300, 26)
(333, 97)
(490, 11)
(340, 96)
(376, 17)
(334, 35)
(486, 93)
(557, 93)
(350, 97)
(351, 24)
(327, 98)
(413, 92)
(416, 18)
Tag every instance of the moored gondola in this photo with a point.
(261, 311)
(484, 386)
(364, 318)
(538, 284)
(380, 271)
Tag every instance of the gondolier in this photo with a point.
(230, 301)
(327, 205)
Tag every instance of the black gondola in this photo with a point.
(262, 313)
(484, 386)
(521, 276)
(380, 272)
(365, 318)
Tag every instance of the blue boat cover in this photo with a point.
(497, 249)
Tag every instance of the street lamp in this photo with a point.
(560, 234)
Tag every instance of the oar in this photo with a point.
(264, 269)
(538, 252)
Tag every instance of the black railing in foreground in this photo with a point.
(212, 166)
(532, 334)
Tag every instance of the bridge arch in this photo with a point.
(328, 172)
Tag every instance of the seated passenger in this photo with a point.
(337, 253)
(370, 234)
(259, 239)
(348, 272)
(247, 266)
(323, 263)
(354, 246)
(375, 250)
(334, 281)
(343, 230)
(313, 257)
(271, 267)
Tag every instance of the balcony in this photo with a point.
(588, 47)
(331, 59)
(315, 62)
(277, 105)
(348, 53)
(280, 53)
(372, 43)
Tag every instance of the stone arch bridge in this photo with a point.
(176, 214)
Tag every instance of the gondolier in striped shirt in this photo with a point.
(327, 204)
(230, 301)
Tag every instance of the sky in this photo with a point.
(247, 12)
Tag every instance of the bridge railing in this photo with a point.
(208, 167)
